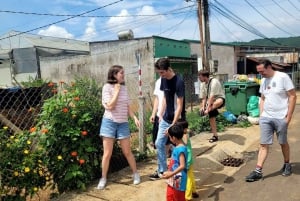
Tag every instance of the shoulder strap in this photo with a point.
(208, 88)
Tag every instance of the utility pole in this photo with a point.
(203, 20)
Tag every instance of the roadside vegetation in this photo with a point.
(62, 151)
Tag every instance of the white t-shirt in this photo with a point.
(275, 90)
(159, 94)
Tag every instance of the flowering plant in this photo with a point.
(63, 149)
(69, 128)
(23, 169)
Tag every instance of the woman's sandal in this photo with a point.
(213, 139)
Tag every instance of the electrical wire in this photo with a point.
(218, 7)
(228, 30)
(179, 23)
(294, 6)
(283, 23)
(287, 12)
(268, 19)
(63, 20)
(142, 21)
(85, 16)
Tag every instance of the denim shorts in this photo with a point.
(114, 130)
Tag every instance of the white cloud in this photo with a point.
(56, 31)
(90, 32)
(120, 22)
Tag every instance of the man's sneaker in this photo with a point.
(136, 178)
(155, 175)
(286, 170)
(101, 184)
(253, 176)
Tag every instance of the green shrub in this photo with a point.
(199, 123)
(23, 166)
(69, 131)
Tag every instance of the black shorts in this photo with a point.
(215, 112)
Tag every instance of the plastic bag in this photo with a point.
(230, 117)
(253, 106)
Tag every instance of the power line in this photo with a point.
(294, 5)
(287, 12)
(84, 16)
(179, 23)
(20, 33)
(267, 18)
(274, 16)
(222, 24)
(234, 18)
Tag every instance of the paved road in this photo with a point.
(273, 187)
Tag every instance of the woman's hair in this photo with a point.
(176, 131)
(204, 73)
(113, 70)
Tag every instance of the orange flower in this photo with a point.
(54, 91)
(65, 110)
(74, 153)
(50, 84)
(45, 130)
(81, 161)
(32, 129)
(84, 133)
(76, 98)
(65, 91)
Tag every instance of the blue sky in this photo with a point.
(167, 18)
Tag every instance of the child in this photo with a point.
(177, 171)
(190, 192)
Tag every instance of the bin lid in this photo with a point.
(234, 83)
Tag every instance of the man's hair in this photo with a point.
(162, 64)
(204, 73)
(183, 123)
(265, 62)
(176, 131)
(113, 70)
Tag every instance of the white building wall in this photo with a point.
(103, 55)
(224, 54)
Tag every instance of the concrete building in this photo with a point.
(62, 59)
(21, 53)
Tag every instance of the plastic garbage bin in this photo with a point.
(237, 95)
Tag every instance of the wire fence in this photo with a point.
(20, 106)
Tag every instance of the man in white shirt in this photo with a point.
(277, 104)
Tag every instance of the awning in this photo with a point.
(276, 65)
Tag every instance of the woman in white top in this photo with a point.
(114, 124)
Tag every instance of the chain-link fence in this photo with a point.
(19, 107)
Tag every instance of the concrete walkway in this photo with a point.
(215, 182)
(209, 172)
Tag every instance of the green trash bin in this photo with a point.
(237, 95)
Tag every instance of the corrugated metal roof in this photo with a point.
(276, 65)
(32, 40)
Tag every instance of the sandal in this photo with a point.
(213, 139)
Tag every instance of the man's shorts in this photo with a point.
(269, 126)
(114, 130)
(215, 112)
